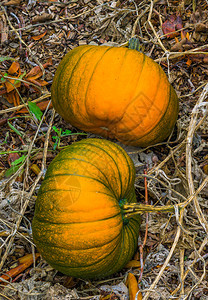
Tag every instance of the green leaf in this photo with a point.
(2, 78)
(55, 137)
(55, 144)
(67, 132)
(35, 110)
(11, 171)
(15, 130)
(3, 58)
(20, 77)
(19, 161)
(57, 130)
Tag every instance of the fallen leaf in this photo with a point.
(14, 68)
(12, 84)
(172, 24)
(12, 157)
(38, 82)
(133, 264)
(188, 62)
(178, 46)
(42, 105)
(42, 18)
(38, 37)
(35, 110)
(35, 72)
(132, 285)
(13, 97)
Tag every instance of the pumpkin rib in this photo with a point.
(90, 77)
(115, 261)
(152, 103)
(126, 242)
(83, 248)
(85, 222)
(93, 263)
(92, 48)
(143, 63)
(122, 246)
(158, 124)
(63, 70)
(83, 176)
(125, 155)
(130, 229)
(129, 103)
(100, 148)
(88, 162)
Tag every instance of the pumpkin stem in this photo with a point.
(130, 209)
(134, 44)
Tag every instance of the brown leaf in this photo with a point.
(38, 37)
(178, 46)
(3, 121)
(205, 169)
(11, 84)
(13, 97)
(170, 26)
(48, 63)
(42, 105)
(12, 157)
(12, 2)
(35, 72)
(132, 285)
(42, 18)
(14, 68)
(133, 264)
(38, 82)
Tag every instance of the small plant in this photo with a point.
(15, 165)
(60, 133)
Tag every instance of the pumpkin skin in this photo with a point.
(118, 93)
(78, 226)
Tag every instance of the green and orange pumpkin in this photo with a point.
(79, 226)
(117, 93)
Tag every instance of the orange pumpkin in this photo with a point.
(79, 226)
(117, 93)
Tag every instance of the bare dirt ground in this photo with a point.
(34, 37)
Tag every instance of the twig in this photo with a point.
(141, 246)
(192, 128)
(137, 20)
(178, 232)
(4, 111)
(152, 27)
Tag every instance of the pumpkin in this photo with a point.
(79, 226)
(117, 93)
